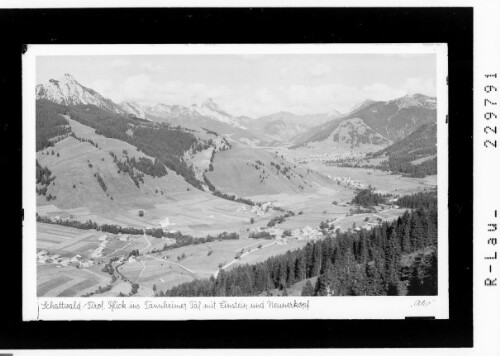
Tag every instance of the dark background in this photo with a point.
(243, 25)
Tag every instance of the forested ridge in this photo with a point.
(164, 142)
(49, 123)
(367, 262)
(419, 144)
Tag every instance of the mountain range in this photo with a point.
(369, 122)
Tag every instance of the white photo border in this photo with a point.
(359, 307)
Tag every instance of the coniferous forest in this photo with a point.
(396, 258)
(164, 142)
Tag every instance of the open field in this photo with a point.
(382, 181)
(57, 281)
(165, 270)
(74, 262)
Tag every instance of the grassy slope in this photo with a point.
(88, 200)
(235, 173)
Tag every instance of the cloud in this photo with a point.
(285, 72)
(319, 70)
(103, 87)
(419, 85)
(120, 63)
(151, 66)
(255, 101)
(143, 88)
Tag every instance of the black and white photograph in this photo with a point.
(250, 177)
(239, 171)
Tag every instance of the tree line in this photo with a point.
(367, 262)
(44, 177)
(368, 197)
(180, 238)
(225, 196)
(419, 144)
(159, 140)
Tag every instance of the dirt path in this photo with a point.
(175, 264)
(242, 255)
(149, 244)
(142, 271)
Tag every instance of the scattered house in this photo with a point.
(76, 258)
(42, 253)
(43, 259)
(347, 181)
(65, 262)
(277, 232)
(87, 264)
(306, 233)
(98, 251)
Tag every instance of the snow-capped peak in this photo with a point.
(68, 91)
(209, 108)
(134, 108)
(418, 100)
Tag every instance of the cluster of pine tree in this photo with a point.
(368, 197)
(44, 177)
(426, 200)
(367, 262)
(89, 225)
(222, 195)
(101, 182)
(49, 123)
(419, 144)
(163, 141)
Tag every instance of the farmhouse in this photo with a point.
(42, 253)
(87, 264)
(43, 259)
(276, 232)
(76, 258)
(306, 233)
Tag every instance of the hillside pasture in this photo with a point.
(240, 170)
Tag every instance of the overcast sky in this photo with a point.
(252, 85)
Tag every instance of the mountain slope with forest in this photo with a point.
(394, 119)
(415, 155)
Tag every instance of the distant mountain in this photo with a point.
(394, 119)
(163, 112)
(420, 143)
(355, 132)
(135, 109)
(285, 126)
(360, 105)
(308, 120)
(67, 91)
